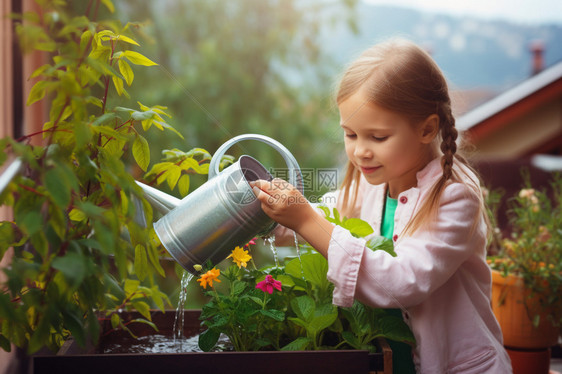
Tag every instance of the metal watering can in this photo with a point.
(223, 213)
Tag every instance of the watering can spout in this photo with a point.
(161, 201)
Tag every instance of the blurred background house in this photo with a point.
(521, 128)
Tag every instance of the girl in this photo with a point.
(405, 179)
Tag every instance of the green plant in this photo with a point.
(534, 248)
(79, 251)
(298, 313)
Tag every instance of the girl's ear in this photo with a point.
(428, 129)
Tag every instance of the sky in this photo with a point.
(529, 12)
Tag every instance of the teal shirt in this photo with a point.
(402, 362)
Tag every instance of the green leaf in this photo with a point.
(5, 344)
(83, 134)
(208, 339)
(314, 267)
(323, 318)
(396, 329)
(109, 5)
(141, 262)
(37, 92)
(131, 287)
(141, 152)
(381, 243)
(183, 185)
(85, 39)
(115, 320)
(138, 59)
(126, 71)
(72, 266)
(142, 116)
(103, 119)
(172, 176)
(299, 344)
(168, 127)
(277, 315)
(40, 335)
(154, 260)
(146, 322)
(303, 306)
(123, 38)
(325, 209)
(238, 287)
(76, 326)
(257, 300)
(191, 163)
(143, 308)
(358, 227)
(57, 186)
(31, 222)
(158, 297)
(118, 82)
(39, 71)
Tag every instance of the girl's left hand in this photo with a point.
(282, 202)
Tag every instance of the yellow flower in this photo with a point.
(209, 277)
(240, 256)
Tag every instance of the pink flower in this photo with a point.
(251, 242)
(268, 284)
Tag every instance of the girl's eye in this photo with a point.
(351, 136)
(380, 139)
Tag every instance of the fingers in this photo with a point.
(274, 186)
(277, 192)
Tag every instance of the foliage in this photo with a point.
(298, 316)
(79, 251)
(246, 66)
(359, 229)
(534, 249)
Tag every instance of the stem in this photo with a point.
(107, 78)
(88, 8)
(96, 10)
(30, 189)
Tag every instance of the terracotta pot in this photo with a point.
(515, 312)
(530, 361)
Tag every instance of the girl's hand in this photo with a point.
(282, 202)
(285, 204)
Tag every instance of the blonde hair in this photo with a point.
(400, 76)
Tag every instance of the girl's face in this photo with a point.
(384, 145)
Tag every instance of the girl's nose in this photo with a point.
(362, 150)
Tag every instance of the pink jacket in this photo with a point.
(439, 279)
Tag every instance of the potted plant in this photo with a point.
(288, 308)
(80, 251)
(527, 272)
(280, 313)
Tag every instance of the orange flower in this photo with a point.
(209, 277)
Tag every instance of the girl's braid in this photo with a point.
(448, 143)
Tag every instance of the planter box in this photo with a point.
(75, 359)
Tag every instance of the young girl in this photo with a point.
(406, 180)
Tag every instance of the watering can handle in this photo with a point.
(295, 175)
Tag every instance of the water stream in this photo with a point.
(178, 321)
(298, 252)
(270, 240)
